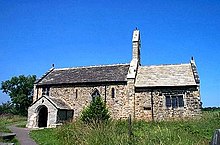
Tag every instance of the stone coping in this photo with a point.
(4, 143)
(7, 136)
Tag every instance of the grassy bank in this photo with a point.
(7, 120)
(116, 132)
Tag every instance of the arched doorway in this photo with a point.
(42, 116)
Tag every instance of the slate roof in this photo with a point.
(59, 103)
(105, 73)
(56, 102)
(165, 75)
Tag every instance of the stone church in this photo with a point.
(157, 92)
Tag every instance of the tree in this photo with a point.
(7, 108)
(96, 112)
(20, 90)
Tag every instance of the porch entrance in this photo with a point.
(42, 116)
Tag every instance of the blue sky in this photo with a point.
(36, 34)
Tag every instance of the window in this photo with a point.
(168, 101)
(95, 94)
(48, 91)
(64, 115)
(113, 93)
(76, 93)
(45, 91)
(147, 108)
(174, 101)
(180, 99)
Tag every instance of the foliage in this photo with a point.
(211, 109)
(20, 90)
(96, 112)
(185, 132)
(7, 108)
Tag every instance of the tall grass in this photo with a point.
(110, 133)
(7, 120)
(185, 132)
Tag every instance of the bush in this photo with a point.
(96, 112)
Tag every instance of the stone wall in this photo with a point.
(37, 93)
(131, 99)
(143, 103)
(137, 102)
(79, 97)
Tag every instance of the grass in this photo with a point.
(185, 132)
(46, 137)
(22, 124)
(7, 121)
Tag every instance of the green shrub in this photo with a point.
(96, 112)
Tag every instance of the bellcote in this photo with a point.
(135, 62)
(136, 36)
(136, 43)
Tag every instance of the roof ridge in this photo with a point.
(160, 65)
(92, 66)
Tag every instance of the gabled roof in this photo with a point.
(59, 103)
(165, 75)
(105, 73)
(56, 102)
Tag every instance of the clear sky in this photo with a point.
(37, 33)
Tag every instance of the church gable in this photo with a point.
(56, 102)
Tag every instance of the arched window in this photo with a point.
(113, 92)
(95, 94)
(76, 93)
